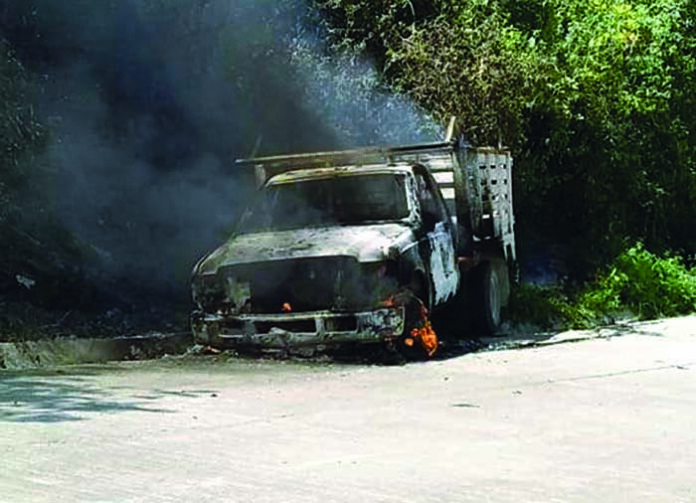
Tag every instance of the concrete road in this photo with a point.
(601, 420)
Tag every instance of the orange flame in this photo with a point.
(427, 337)
(390, 302)
(287, 308)
(426, 334)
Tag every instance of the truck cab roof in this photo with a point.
(314, 173)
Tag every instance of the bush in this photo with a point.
(638, 284)
(541, 306)
(644, 284)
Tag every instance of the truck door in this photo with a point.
(437, 246)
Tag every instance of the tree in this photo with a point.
(595, 98)
(610, 129)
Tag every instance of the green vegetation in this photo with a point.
(638, 285)
(595, 98)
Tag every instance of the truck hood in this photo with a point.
(366, 243)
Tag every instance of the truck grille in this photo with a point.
(300, 285)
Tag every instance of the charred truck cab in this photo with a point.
(360, 246)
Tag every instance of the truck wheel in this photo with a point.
(487, 297)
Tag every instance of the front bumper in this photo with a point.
(318, 329)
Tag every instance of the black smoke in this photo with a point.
(149, 102)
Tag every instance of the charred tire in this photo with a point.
(488, 289)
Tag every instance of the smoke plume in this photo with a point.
(149, 102)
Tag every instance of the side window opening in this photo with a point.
(432, 208)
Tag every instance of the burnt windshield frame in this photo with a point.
(345, 199)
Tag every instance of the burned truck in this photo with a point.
(361, 246)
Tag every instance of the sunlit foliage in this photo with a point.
(636, 285)
(596, 98)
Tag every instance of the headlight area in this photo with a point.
(380, 281)
(208, 293)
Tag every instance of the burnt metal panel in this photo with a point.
(299, 285)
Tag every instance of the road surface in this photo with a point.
(601, 420)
